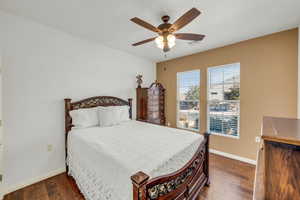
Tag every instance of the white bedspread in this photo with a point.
(102, 159)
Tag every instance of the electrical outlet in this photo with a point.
(257, 139)
(50, 147)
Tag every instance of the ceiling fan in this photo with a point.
(166, 31)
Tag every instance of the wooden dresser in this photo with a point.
(151, 104)
(278, 167)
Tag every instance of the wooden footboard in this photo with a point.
(186, 183)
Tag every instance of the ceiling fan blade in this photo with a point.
(145, 24)
(189, 36)
(143, 42)
(185, 19)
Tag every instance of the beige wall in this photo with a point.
(268, 84)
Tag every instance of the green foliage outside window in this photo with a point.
(233, 94)
(193, 93)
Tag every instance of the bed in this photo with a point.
(134, 160)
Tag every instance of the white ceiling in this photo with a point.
(107, 21)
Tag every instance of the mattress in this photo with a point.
(102, 159)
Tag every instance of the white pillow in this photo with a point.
(83, 118)
(124, 113)
(108, 116)
(112, 115)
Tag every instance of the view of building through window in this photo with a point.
(224, 99)
(188, 91)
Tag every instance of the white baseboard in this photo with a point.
(232, 156)
(16, 187)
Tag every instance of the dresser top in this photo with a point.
(283, 130)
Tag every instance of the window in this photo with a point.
(223, 108)
(188, 92)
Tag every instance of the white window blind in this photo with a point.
(223, 108)
(188, 94)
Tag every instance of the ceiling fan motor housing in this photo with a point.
(165, 26)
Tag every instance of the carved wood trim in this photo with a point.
(186, 182)
(151, 104)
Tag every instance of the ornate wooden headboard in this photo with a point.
(93, 102)
(89, 103)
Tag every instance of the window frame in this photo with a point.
(209, 101)
(178, 101)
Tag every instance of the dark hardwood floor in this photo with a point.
(230, 180)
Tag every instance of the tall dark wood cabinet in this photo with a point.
(156, 104)
(151, 104)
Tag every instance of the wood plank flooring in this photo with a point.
(230, 180)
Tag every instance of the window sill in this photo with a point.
(189, 129)
(224, 135)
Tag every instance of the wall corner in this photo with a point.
(298, 91)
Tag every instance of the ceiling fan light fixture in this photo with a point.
(159, 42)
(165, 41)
(171, 40)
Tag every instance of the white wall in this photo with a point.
(1, 131)
(42, 66)
(299, 71)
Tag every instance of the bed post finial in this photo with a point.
(68, 100)
(139, 180)
(130, 107)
